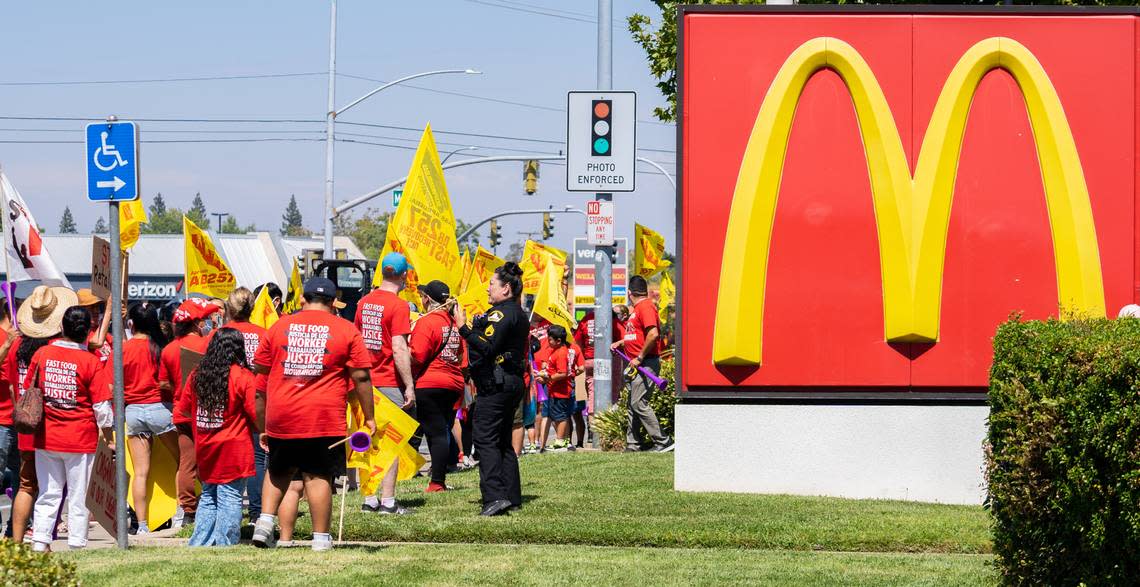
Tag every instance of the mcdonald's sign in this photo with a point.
(865, 196)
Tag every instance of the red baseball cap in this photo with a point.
(194, 309)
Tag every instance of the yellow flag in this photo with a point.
(393, 430)
(668, 294)
(206, 272)
(465, 260)
(533, 264)
(649, 252)
(264, 314)
(550, 302)
(131, 214)
(424, 224)
(483, 265)
(295, 296)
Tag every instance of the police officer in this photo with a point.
(496, 344)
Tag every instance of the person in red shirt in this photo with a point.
(439, 357)
(220, 399)
(540, 351)
(239, 307)
(577, 420)
(558, 375)
(584, 338)
(190, 332)
(149, 414)
(642, 332)
(312, 359)
(77, 404)
(99, 341)
(384, 321)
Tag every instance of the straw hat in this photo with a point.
(41, 315)
(88, 298)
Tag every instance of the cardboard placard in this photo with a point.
(101, 490)
(190, 361)
(580, 388)
(100, 267)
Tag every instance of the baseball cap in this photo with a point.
(436, 290)
(194, 309)
(320, 286)
(394, 264)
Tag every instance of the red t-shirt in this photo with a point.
(438, 352)
(140, 373)
(221, 438)
(103, 351)
(579, 361)
(559, 362)
(252, 334)
(309, 355)
(7, 394)
(642, 317)
(72, 380)
(584, 335)
(380, 315)
(171, 368)
(15, 373)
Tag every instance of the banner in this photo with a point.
(28, 258)
(101, 489)
(668, 294)
(295, 297)
(483, 266)
(131, 215)
(424, 224)
(264, 314)
(465, 261)
(649, 252)
(533, 264)
(392, 245)
(206, 272)
(160, 484)
(550, 302)
(393, 430)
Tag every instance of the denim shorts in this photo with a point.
(149, 419)
(560, 408)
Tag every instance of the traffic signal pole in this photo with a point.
(603, 270)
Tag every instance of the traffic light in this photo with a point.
(495, 238)
(600, 143)
(547, 226)
(530, 176)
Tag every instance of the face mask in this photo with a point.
(207, 326)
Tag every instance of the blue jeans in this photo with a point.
(253, 484)
(7, 450)
(218, 520)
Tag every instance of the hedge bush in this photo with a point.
(1063, 454)
(613, 424)
(20, 567)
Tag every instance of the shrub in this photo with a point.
(613, 424)
(20, 567)
(1063, 454)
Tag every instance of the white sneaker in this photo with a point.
(179, 516)
(322, 545)
(263, 534)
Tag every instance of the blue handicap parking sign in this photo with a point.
(112, 161)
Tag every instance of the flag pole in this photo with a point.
(7, 257)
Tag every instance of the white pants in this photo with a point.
(56, 470)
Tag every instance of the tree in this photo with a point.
(197, 212)
(67, 222)
(231, 226)
(515, 253)
(292, 224)
(100, 226)
(470, 242)
(162, 220)
(367, 231)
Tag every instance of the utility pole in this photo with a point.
(603, 263)
(219, 216)
(330, 117)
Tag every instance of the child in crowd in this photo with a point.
(558, 374)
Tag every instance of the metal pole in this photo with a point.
(603, 265)
(117, 366)
(330, 119)
(476, 226)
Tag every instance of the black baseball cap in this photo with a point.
(436, 290)
(320, 286)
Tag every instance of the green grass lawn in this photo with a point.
(599, 518)
(465, 564)
(613, 499)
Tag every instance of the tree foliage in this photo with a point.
(197, 212)
(67, 222)
(162, 220)
(100, 226)
(231, 226)
(367, 230)
(292, 224)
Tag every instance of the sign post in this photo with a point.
(112, 176)
(601, 147)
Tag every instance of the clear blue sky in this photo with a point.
(527, 58)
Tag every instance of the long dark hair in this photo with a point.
(212, 380)
(510, 274)
(144, 320)
(28, 347)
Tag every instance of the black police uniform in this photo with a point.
(496, 344)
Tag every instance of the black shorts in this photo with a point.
(306, 455)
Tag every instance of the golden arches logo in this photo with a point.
(912, 213)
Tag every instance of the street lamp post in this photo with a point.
(330, 120)
(457, 151)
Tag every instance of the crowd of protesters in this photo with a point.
(255, 414)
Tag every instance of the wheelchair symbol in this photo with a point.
(108, 151)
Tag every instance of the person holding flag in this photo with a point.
(384, 321)
(497, 349)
